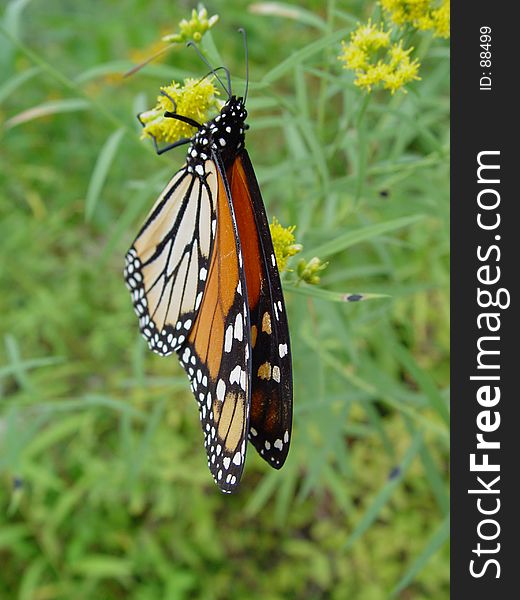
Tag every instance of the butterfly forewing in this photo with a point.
(271, 396)
(167, 265)
(217, 354)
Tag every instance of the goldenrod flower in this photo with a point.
(193, 29)
(421, 14)
(283, 243)
(369, 37)
(309, 271)
(195, 99)
(375, 60)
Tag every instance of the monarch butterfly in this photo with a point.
(205, 284)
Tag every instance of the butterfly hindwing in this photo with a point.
(271, 395)
(217, 353)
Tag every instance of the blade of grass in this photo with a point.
(46, 109)
(17, 365)
(423, 379)
(100, 172)
(266, 488)
(67, 83)
(11, 85)
(385, 493)
(13, 13)
(130, 213)
(288, 11)
(32, 577)
(438, 485)
(54, 434)
(315, 292)
(102, 566)
(366, 386)
(360, 235)
(437, 540)
(135, 463)
(25, 365)
(300, 55)
(119, 67)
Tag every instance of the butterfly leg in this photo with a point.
(180, 142)
(158, 150)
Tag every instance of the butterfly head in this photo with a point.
(223, 135)
(228, 129)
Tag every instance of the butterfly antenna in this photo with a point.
(212, 70)
(147, 61)
(244, 36)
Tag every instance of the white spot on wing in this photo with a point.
(221, 390)
(229, 338)
(239, 327)
(234, 376)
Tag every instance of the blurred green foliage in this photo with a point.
(104, 490)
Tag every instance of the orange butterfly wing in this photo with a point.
(272, 391)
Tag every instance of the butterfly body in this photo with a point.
(223, 135)
(204, 283)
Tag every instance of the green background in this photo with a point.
(104, 489)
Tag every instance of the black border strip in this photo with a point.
(484, 120)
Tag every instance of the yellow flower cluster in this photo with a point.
(376, 61)
(195, 99)
(421, 14)
(193, 29)
(283, 243)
